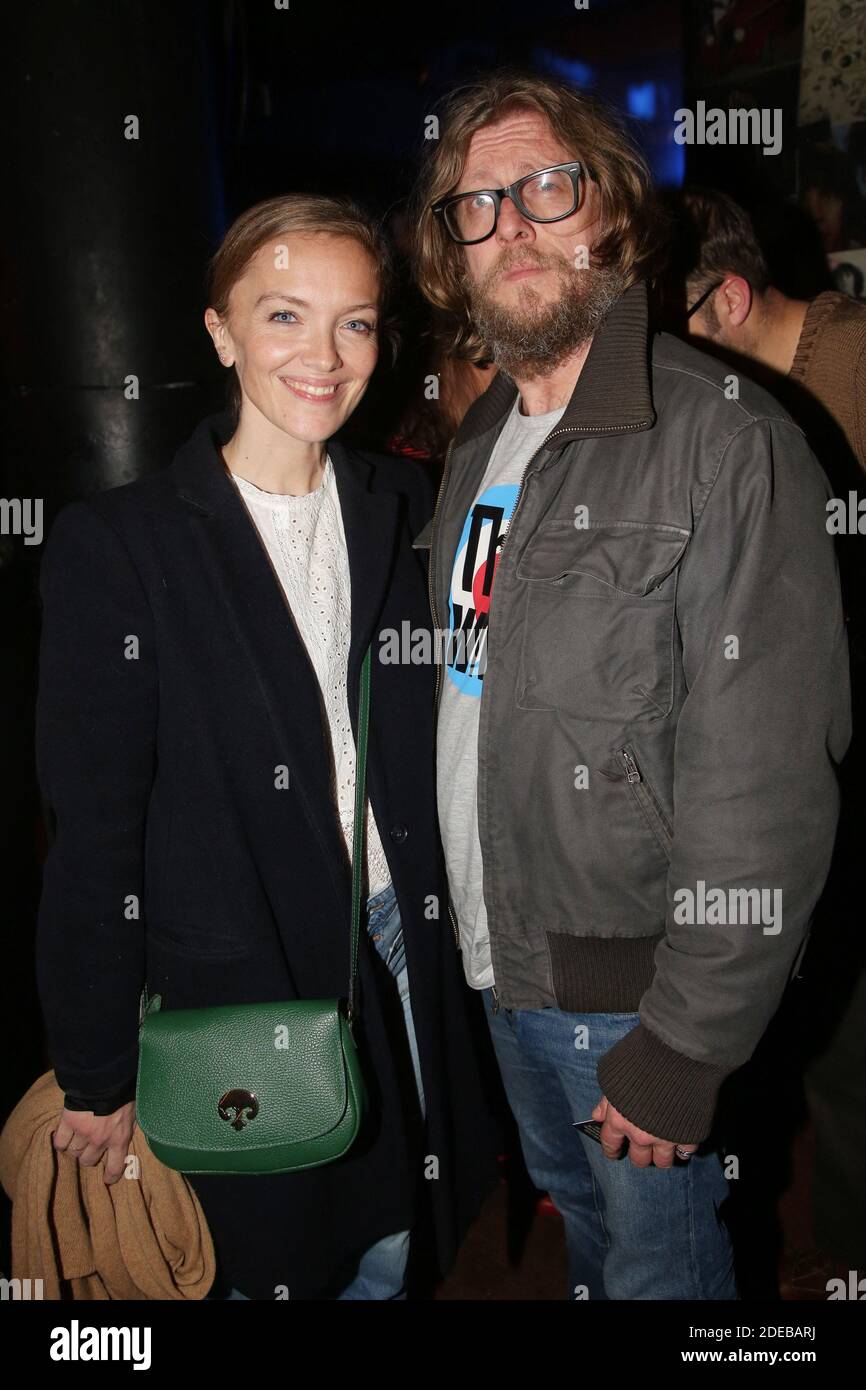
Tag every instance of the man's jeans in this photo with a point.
(631, 1233)
(381, 1271)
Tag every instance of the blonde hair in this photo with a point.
(299, 212)
(634, 226)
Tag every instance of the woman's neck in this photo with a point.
(275, 461)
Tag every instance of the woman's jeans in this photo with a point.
(631, 1233)
(381, 1271)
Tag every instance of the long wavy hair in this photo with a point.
(634, 226)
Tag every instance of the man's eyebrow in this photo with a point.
(527, 166)
(480, 180)
(303, 303)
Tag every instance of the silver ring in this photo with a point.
(681, 1153)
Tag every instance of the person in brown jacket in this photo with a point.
(819, 344)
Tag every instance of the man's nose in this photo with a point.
(511, 220)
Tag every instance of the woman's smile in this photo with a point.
(311, 391)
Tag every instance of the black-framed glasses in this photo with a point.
(703, 299)
(547, 195)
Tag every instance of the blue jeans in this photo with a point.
(381, 1271)
(631, 1233)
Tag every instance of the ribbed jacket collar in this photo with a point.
(612, 395)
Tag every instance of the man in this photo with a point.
(818, 348)
(820, 344)
(650, 606)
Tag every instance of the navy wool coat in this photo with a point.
(173, 687)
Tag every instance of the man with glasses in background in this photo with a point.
(644, 691)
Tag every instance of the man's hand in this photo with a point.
(89, 1136)
(643, 1149)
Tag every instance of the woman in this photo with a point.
(203, 636)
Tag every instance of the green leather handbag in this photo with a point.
(258, 1088)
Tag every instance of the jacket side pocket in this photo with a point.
(646, 798)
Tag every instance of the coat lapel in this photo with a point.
(370, 520)
(241, 574)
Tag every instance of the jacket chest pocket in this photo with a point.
(599, 625)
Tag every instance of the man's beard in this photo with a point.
(533, 337)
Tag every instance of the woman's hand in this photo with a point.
(89, 1136)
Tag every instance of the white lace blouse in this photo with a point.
(306, 543)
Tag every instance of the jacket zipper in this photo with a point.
(454, 927)
(431, 595)
(431, 587)
(644, 794)
(431, 599)
(517, 501)
(631, 767)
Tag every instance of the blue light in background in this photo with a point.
(569, 69)
(669, 165)
(641, 100)
(649, 101)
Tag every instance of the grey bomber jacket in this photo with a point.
(665, 701)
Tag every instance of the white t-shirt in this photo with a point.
(306, 544)
(472, 577)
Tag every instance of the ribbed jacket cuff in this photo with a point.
(660, 1090)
